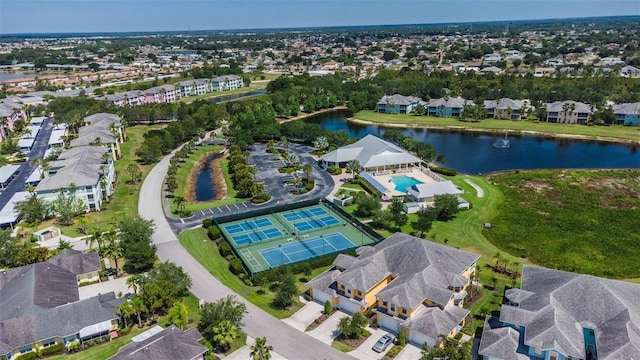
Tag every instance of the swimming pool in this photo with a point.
(403, 182)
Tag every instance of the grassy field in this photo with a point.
(573, 220)
(252, 87)
(614, 132)
(206, 252)
(184, 172)
(124, 201)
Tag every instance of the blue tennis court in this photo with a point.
(306, 249)
(311, 224)
(256, 235)
(248, 225)
(304, 214)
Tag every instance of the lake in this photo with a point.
(205, 186)
(222, 99)
(474, 153)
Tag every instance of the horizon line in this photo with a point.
(235, 30)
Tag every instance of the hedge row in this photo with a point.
(443, 170)
(272, 275)
(214, 232)
(53, 349)
(365, 185)
(26, 356)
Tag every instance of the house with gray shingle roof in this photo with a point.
(505, 108)
(86, 266)
(413, 285)
(86, 172)
(447, 106)
(627, 114)
(168, 344)
(559, 314)
(397, 104)
(568, 112)
(226, 82)
(101, 129)
(40, 307)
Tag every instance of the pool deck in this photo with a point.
(417, 174)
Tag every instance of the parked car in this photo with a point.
(383, 343)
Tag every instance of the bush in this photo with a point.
(125, 331)
(214, 232)
(207, 223)
(53, 349)
(334, 170)
(309, 184)
(248, 282)
(365, 185)
(229, 257)
(235, 266)
(443, 170)
(328, 307)
(225, 249)
(394, 351)
(26, 356)
(402, 340)
(262, 198)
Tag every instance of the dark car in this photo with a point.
(383, 343)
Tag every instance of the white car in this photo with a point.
(383, 343)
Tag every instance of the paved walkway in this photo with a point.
(286, 340)
(305, 316)
(410, 352)
(327, 331)
(244, 352)
(115, 285)
(479, 191)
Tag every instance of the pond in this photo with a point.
(473, 153)
(205, 185)
(222, 99)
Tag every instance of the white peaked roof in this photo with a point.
(371, 151)
(432, 189)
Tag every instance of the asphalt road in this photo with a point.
(37, 151)
(286, 340)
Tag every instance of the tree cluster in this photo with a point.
(138, 249)
(221, 321)
(241, 173)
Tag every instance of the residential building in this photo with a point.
(630, 71)
(86, 266)
(227, 82)
(558, 315)
(10, 112)
(627, 114)
(505, 108)
(568, 112)
(447, 106)
(7, 174)
(84, 172)
(373, 154)
(412, 285)
(194, 87)
(161, 94)
(101, 129)
(397, 104)
(41, 307)
(164, 344)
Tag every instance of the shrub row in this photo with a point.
(236, 267)
(225, 249)
(214, 232)
(443, 170)
(334, 170)
(53, 349)
(273, 274)
(365, 185)
(26, 356)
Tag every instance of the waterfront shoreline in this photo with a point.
(471, 129)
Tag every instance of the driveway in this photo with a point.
(244, 352)
(116, 285)
(410, 352)
(287, 341)
(327, 331)
(305, 316)
(365, 352)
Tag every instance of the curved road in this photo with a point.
(287, 341)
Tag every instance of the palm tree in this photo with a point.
(308, 169)
(498, 258)
(94, 238)
(133, 282)
(353, 166)
(260, 350)
(126, 310)
(224, 333)
(30, 188)
(113, 249)
(83, 221)
(139, 307)
(285, 142)
(516, 267)
(181, 203)
(494, 281)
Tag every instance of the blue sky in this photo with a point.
(42, 16)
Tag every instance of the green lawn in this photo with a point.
(206, 252)
(573, 220)
(212, 95)
(102, 351)
(616, 132)
(184, 172)
(124, 201)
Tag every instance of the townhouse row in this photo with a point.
(173, 93)
(565, 112)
